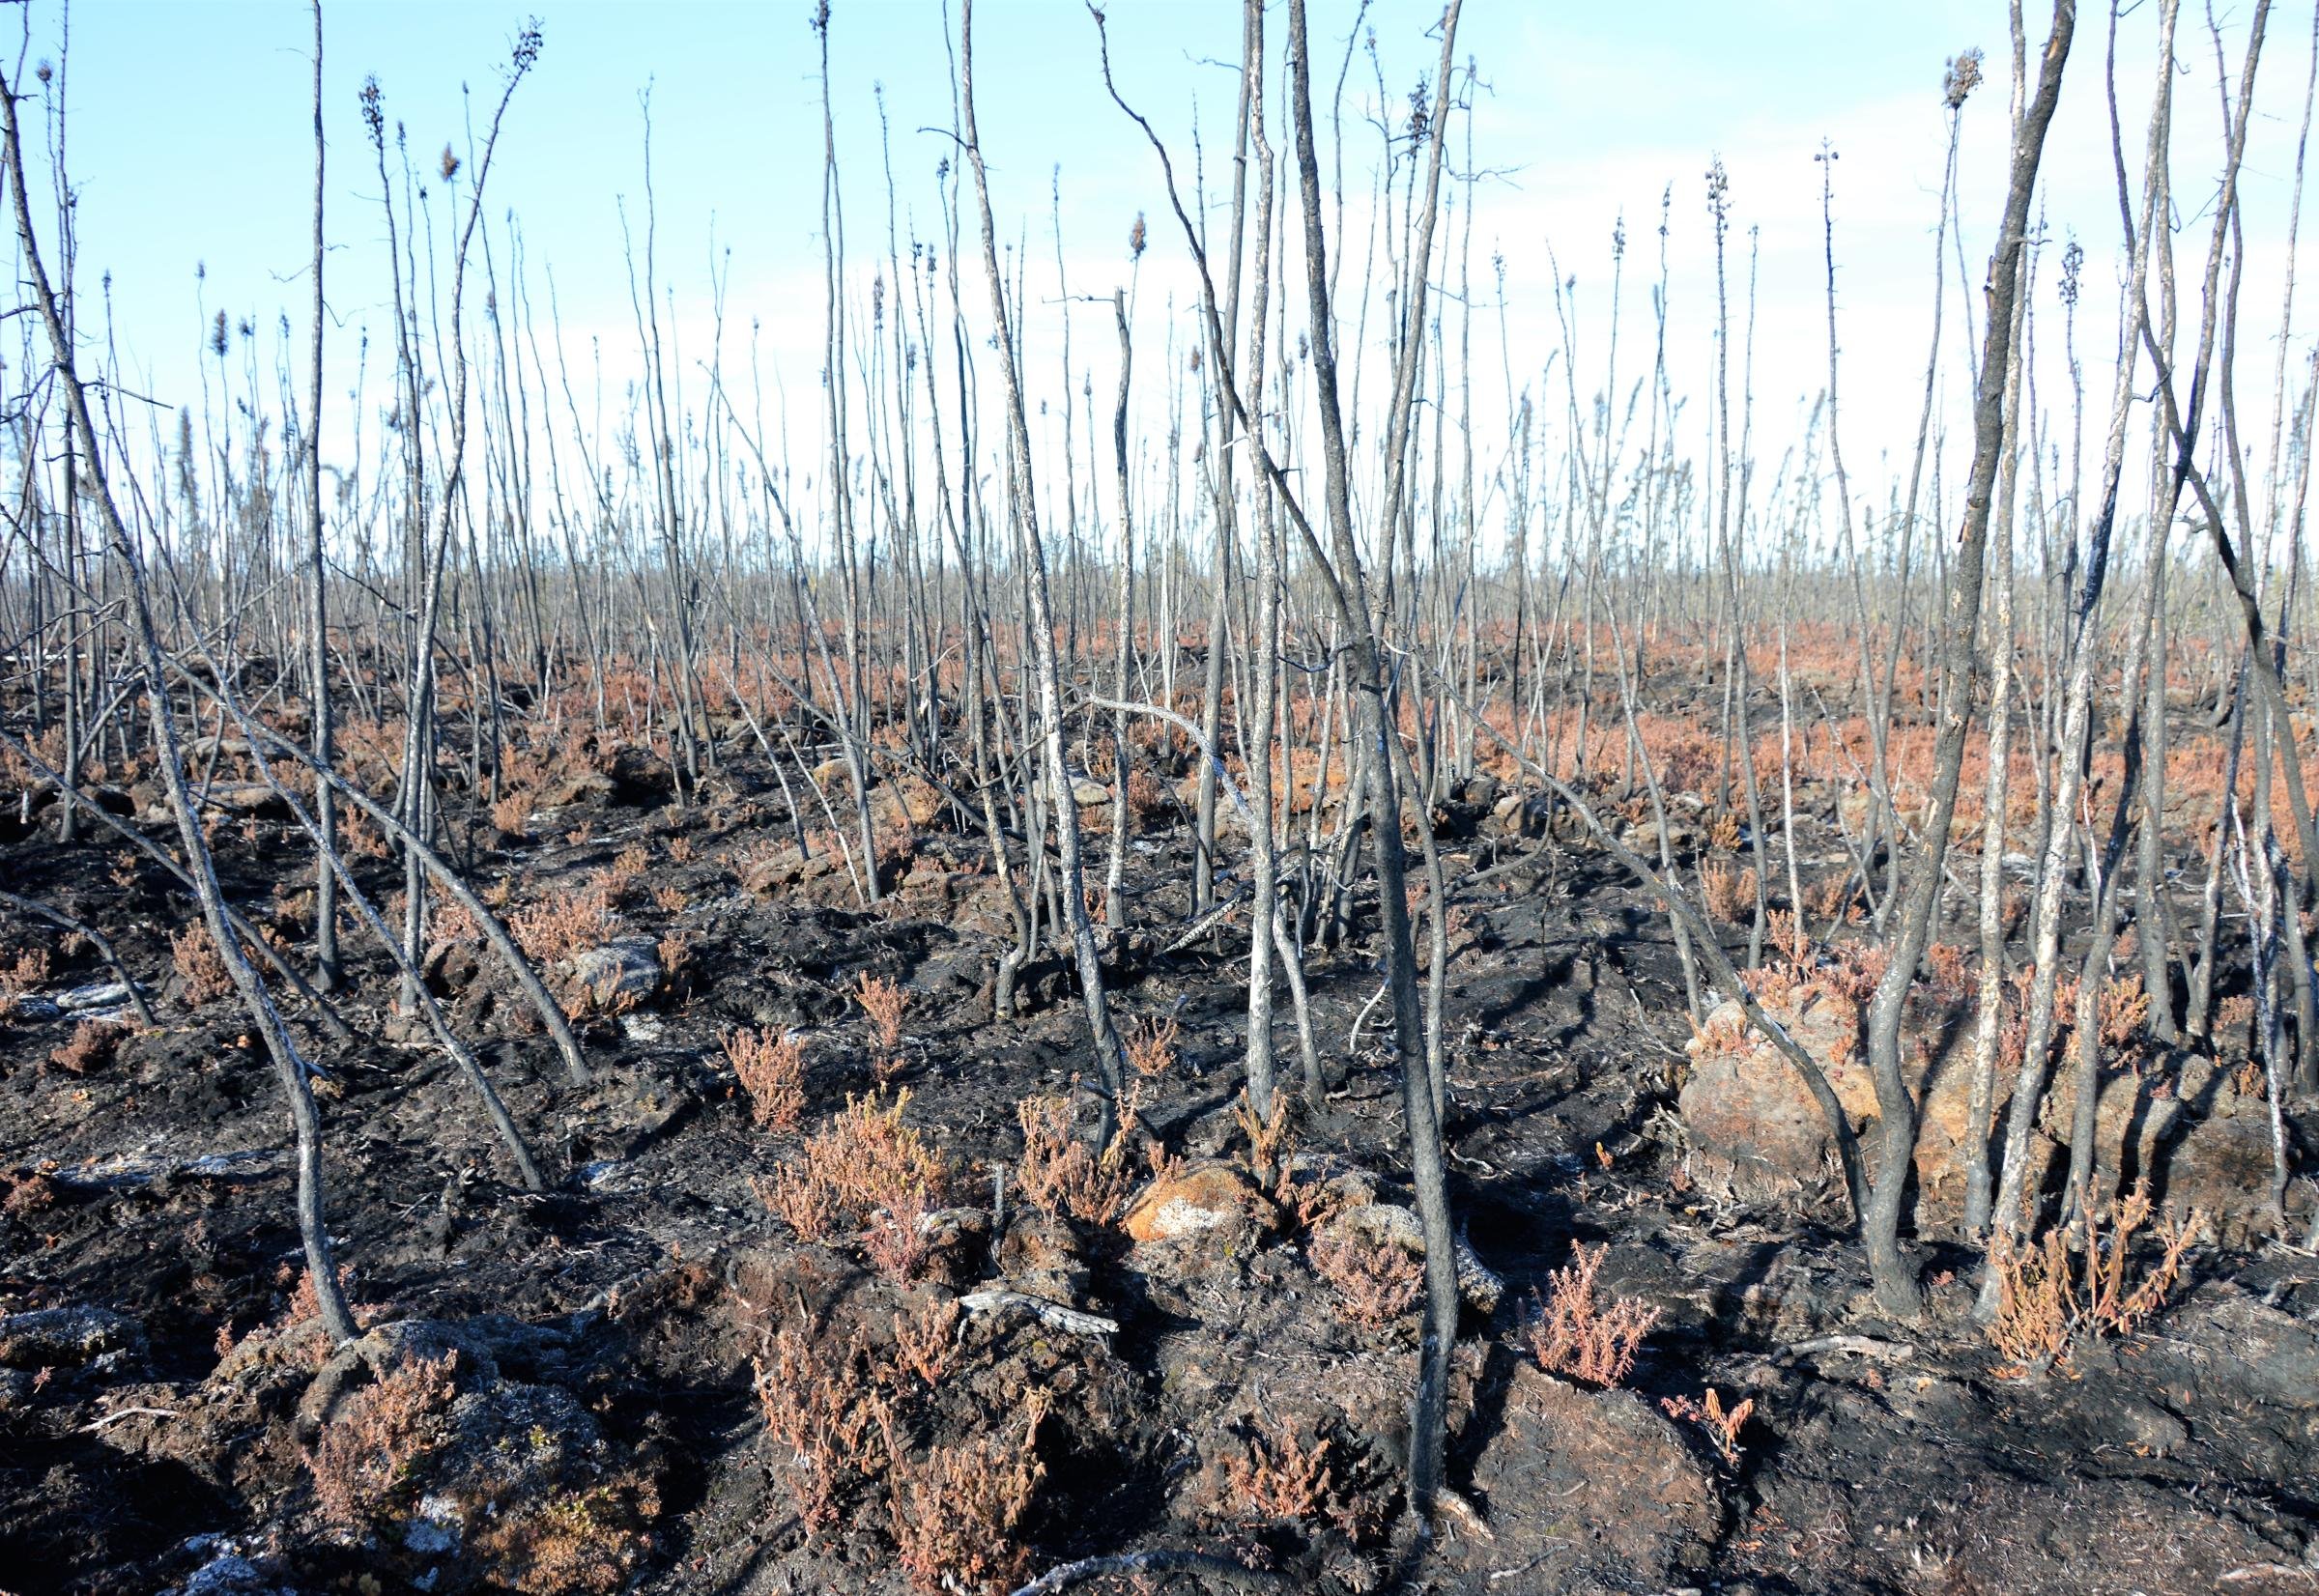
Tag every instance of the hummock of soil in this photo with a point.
(559, 1391)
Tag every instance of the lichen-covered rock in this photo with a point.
(621, 973)
(1200, 1200)
(66, 1337)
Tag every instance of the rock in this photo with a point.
(1040, 1255)
(579, 787)
(627, 1111)
(1089, 793)
(2222, 1167)
(245, 798)
(429, 1536)
(492, 1490)
(216, 747)
(640, 776)
(623, 971)
(2273, 1356)
(1197, 1200)
(1600, 1478)
(1748, 1113)
(1743, 1103)
(226, 1573)
(1746, 1108)
(64, 1337)
(905, 802)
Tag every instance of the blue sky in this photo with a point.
(189, 140)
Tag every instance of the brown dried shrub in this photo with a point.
(1719, 891)
(366, 1460)
(1060, 1175)
(1269, 1138)
(868, 1169)
(1150, 1043)
(92, 1046)
(1280, 1479)
(883, 1002)
(584, 1541)
(18, 975)
(23, 1195)
(564, 925)
(924, 1344)
(451, 924)
(1721, 1424)
(956, 1512)
(512, 814)
(770, 1065)
(1375, 1285)
(1147, 796)
(2050, 1295)
(821, 1408)
(674, 950)
(199, 965)
(1831, 896)
(1575, 1335)
(626, 869)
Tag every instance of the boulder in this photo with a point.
(1598, 1483)
(2178, 1125)
(640, 776)
(1040, 1255)
(249, 799)
(621, 973)
(1201, 1199)
(65, 1337)
(905, 802)
(574, 787)
(1743, 1104)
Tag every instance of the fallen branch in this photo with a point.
(1053, 1315)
